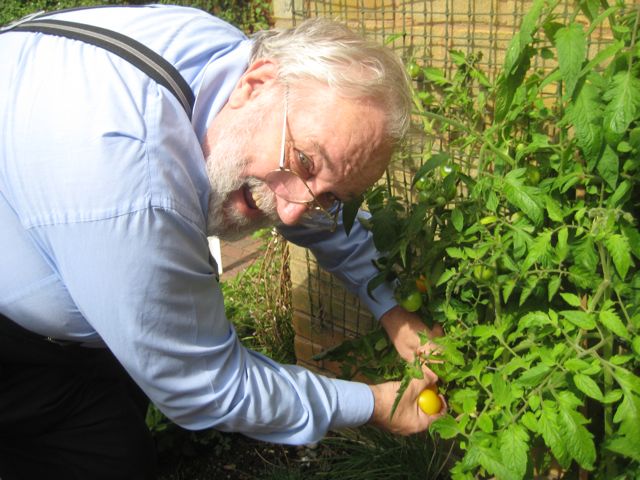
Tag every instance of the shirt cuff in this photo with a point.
(382, 301)
(355, 404)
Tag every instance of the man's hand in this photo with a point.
(408, 418)
(403, 327)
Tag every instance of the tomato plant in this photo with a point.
(533, 248)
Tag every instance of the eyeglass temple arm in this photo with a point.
(284, 127)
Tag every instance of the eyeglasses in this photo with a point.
(290, 186)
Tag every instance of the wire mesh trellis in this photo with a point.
(429, 33)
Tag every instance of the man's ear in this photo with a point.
(260, 74)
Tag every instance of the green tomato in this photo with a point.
(533, 175)
(411, 301)
(413, 69)
(421, 184)
(424, 196)
(482, 273)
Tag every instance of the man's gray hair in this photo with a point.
(327, 51)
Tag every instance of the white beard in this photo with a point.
(225, 164)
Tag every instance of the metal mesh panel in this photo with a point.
(427, 32)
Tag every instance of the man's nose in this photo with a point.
(289, 212)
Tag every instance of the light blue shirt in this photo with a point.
(103, 200)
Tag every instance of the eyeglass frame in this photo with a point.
(314, 204)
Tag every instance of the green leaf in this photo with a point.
(527, 199)
(623, 97)
(611, 320)
(491, 461)
(385, 226)
(548, 427)
(554, 209)
(627, 437)
(627, 380)
(533, 376)
(553, 287)
(446, 427)
(435, 161)
(514, 449)
(571, 43)
(618, 247)
(588, 386)
(501, 391)
(484, 422)
(578, 440)
(539, 250)
(633, 237)
(446, 276)
(621, 194)
(585, 113)
(350, 212)
(608, 166)
(457, 219)
(581, 319)
(571, 299)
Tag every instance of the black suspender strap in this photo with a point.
(131, 50)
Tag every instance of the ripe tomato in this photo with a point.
(411, 301)
(422, 284)
(429, 401)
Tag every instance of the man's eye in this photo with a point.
(305, 166)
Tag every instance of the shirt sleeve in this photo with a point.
(142, 280)
(348, 257)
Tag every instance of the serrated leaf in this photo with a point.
(531, 320)
(608, 166)
(571, 43)
(457, 219)
(587, 386)
(633, 237)
(553, 287)
(548, 427)
(527, 199)
(539, 250)
(611, 320)
(620, 195)
(533, 376)
(562, 246)
(578, 440)
(491, 461)
(514, 450)
(618, 247)
(627, 380)
(623, 97)
(585, 113)
(485, 423)
(350, 211)
(446, 427)
(385, 227)
(435, 161)
(576, 365)
(581, 319)
(446, 276)
(501, 391)
(571, 299)
(554, 210)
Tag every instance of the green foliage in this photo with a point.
(530, 240)
(248, 15)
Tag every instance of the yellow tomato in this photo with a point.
(429, 401)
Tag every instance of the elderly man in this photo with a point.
(109, 186)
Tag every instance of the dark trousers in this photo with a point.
(68, 412)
